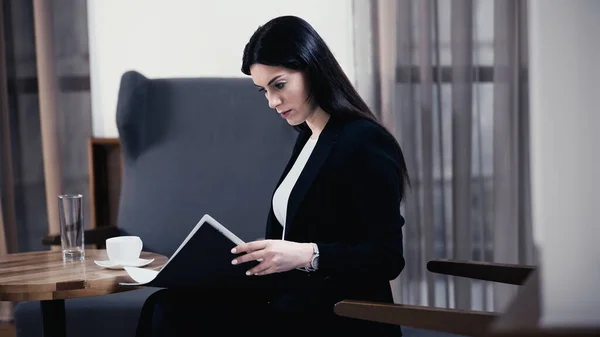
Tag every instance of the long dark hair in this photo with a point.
(291, 42)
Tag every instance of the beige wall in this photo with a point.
(186, 38)
(565, 154)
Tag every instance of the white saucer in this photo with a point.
(108, 264)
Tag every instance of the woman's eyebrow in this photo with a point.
(271, 81)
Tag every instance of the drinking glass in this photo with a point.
(70, 211)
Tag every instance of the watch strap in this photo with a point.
(314, 262)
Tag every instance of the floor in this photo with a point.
(8, 330)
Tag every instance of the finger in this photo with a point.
(253, 256)
(261, 267)
(249, 246)
(270, 270)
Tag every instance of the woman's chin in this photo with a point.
(293, 122)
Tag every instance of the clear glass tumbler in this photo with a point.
(70, 210)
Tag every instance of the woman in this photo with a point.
(334, 230)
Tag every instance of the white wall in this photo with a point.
(565, 121)
(192, 38)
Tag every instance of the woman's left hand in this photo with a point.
(275, 256)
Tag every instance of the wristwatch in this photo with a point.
(314, 262)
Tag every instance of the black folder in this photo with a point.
(202, 260)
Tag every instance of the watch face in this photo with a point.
(316, 264)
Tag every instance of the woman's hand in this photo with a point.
(275, 256)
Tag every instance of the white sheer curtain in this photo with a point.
(449, 79)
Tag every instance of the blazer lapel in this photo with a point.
(326, 139)
(300, 142)
(274, 229)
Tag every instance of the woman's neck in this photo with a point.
(317, 121)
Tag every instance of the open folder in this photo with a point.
(202, 259)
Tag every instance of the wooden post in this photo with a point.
(8, 226)
(48, 87)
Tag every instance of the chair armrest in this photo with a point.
(95, 236)
(487, 271)
(461, 322)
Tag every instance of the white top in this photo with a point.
(282, 194)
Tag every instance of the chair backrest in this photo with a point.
(193, 146)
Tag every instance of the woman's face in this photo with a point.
(286, 90)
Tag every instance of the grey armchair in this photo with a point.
(190, 146)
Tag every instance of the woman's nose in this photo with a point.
(274, 101)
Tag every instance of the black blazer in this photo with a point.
(347, 200)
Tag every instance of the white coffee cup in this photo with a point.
(124, 249)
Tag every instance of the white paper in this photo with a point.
(140, 275)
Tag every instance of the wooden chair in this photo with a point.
(461, 322)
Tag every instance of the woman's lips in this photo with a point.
(285, 113)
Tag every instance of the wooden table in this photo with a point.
(44, 276)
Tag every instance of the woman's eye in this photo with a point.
(280, 85)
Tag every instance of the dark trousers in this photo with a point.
(229, 313)
(210, 313)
